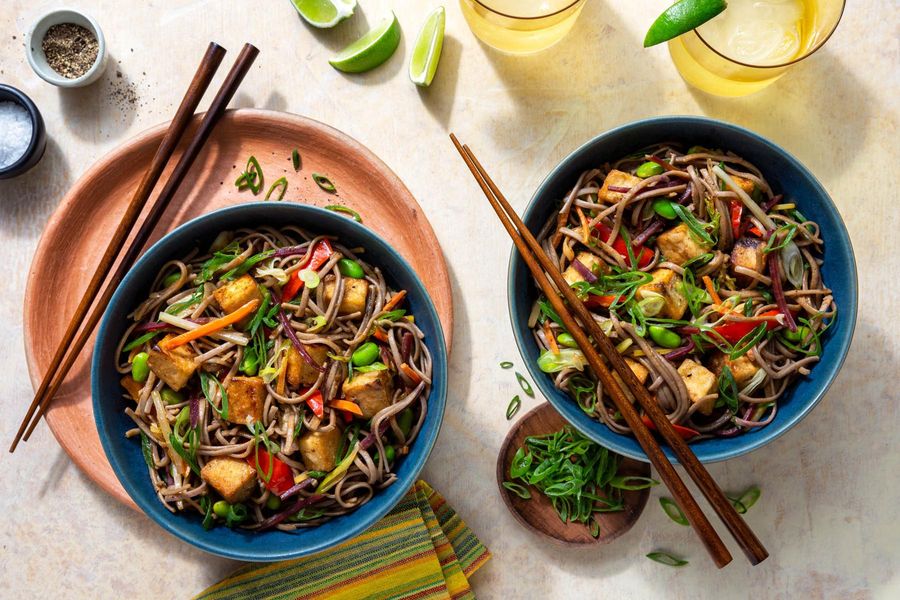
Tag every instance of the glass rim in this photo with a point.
(784, 64)
(482, 4)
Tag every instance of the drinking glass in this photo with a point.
(521, 26)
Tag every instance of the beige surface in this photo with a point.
(829, 511)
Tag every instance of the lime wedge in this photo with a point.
(370, 50)
(427, 50)
(324, 13)
(682, 17)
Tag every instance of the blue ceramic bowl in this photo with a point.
(125, 455)
(787, 176)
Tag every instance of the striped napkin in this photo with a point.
(421, 549)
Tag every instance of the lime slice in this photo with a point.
(427, 50)
(682, 17)
(324, 13)
(370, 50)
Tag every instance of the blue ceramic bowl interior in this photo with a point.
(787, 176)
(125, 455)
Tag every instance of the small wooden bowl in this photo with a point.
(538, 515)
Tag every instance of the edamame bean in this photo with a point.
(797, 336)
(273, 502)
(221, 508)
(350, 268)
(365, 355)
(171, 278)
(664, 337)
(663, 208)
(649, 169)
(140, 367)
(249, 365)
(389, 454)
(170, 396)
(566, 339)
(405, 421)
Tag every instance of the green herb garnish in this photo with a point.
(323, 182)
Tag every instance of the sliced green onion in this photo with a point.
(295, 159)
(282, 183)
(520, 491)
(666, 559)
(673, 511)
(310, 278)
(746, 343)
(147, 450)
(506, 365)
(566, 358)
(316, 323)
(252, 177)
(523, 383)
(595, 529)
(140, 341)
(743, 502)
(696, 227)
(520, 463)
(513, 407)
(323, 182)
(632, 482)
(346, 210)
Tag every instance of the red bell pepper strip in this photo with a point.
(733, 331)
(316, 403)
(685, 433)
(320, 255)
(737, 211)
(595, 301)
(644, 256)
(281, 479)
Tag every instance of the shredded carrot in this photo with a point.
(711, 289)
(408, 371)
(347, 406)
(585, 228)
(380, 335)
(551, 339)
(755, 231)
(211, 327)
(395, 301)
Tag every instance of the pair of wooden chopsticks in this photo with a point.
(67, 351)
(541, 267)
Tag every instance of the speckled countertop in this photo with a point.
(829, 512)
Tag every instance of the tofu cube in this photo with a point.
(639, 370)
(355, 291)
(699, 382)
(300, 372)
(745, 184)
(237, 293)
(372, 391)
(590, 260)
(132, 387)
(748, 253)
(616, 179)
(667, 284)
(742, 369)
(234, 479)
(678, 246)
(174, 366)
(318, 449)
(246, 398)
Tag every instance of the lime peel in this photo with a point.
(427, 50)
(371, 50)
(681, 17)
(324, 13)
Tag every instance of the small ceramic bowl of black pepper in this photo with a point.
(22, 134)
(66, 47)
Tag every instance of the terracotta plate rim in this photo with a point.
(80, 187)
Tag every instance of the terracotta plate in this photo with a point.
(538, 514)
(80, 228)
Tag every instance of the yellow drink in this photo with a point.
(753, 43)
(521, 26)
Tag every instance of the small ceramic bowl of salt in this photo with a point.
(22, 135)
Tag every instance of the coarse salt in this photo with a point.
(15, 132)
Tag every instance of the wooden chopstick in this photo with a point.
(533, 254)
(202, 78)
(210, 119)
